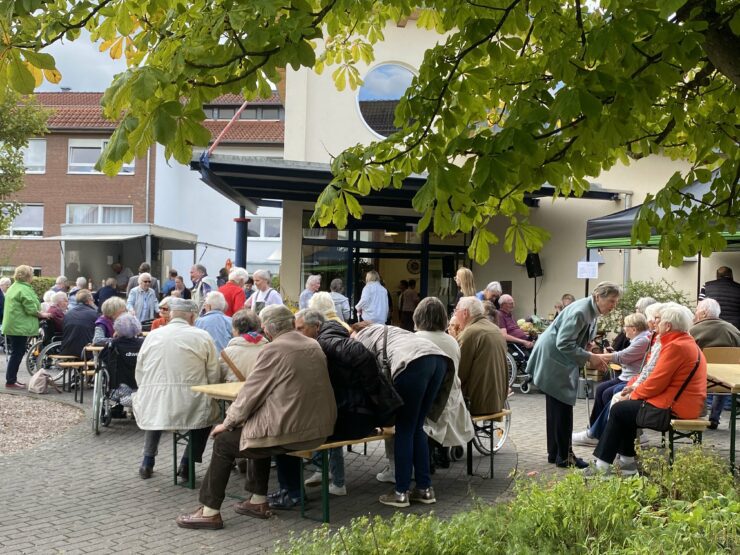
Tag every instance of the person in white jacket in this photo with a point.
(172, 359)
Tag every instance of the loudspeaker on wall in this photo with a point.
(534, 269)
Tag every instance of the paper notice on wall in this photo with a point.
(588, 270)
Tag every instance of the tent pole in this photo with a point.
(588, 259)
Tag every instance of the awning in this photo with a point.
(252, 181)
(166, 237)
(90, 237)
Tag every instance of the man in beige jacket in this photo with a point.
(287, 404)
(482, 368)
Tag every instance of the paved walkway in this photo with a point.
(80, 493)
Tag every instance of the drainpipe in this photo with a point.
(148, 176)
(627, 269)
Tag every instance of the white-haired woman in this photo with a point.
(678, 382)
(80, 283)
(164, 314)
(313, 284)
(556, 361)
(233, 290)
(120, 356)
(373, 306)
(323, 302)
(264, 294)
(111, 310)
(142, 300)
(341, 303)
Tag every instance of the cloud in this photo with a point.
(83, 67)
(386, 82)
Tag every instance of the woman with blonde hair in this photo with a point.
(20, 321)
(465, 283)
(324, 303)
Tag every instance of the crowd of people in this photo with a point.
(319, 375)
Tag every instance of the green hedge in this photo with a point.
(691, 507)
(42, 284)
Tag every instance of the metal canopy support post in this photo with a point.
(588, 259)
(148, 249)
(424, 277)
(241, 238)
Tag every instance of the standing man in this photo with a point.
(142, 300)
(483, 370)
(169, 285)
(233, 290)
(122, 275)
(201, 287)
(286, 404)
(727, 293)
(264, 294)
(172, 359)
(60, 284)
(407, 303)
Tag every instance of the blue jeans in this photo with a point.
(719, 403)
(17, 346)
(418, 386)
(598, 427)
(336, 464)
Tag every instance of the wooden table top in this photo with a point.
(724, 376)
(94, 348)
(221, 391)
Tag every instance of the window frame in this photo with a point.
(26, 151)
(12, 229)
(261, 236)
(100, 209)
(100, 144)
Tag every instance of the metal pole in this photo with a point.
(588, 259)
(242, 222)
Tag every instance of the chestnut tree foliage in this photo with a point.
(516, 94)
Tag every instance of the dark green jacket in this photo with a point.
(20, 316)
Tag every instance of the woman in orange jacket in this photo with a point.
(679, 357)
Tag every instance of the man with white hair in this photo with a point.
(133, 281)
(287, 404)
(264, 295)
(313, 284)
(491, 293)
(142, 300)
(60, 284)
(482, 370)
(512, 332)
(214, 321)
(80, 283)
(201, 286)
(172, 359)
(710, 331)
(233, 290)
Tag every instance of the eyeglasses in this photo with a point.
(164, 309)
(146, 281)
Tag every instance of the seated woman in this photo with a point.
(164, 314)
(631, 359)
(119, 357)
(678, 382)
(243, 348)
(111, 310)
(454, 427)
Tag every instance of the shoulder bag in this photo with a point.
(390, 400)
(654, 418)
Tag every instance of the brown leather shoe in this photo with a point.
(197, 521)
(257, 510)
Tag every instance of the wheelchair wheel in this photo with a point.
(511, 367)
(457, 452)
(101, 409)
(498, 429)
(33, 355)
(524, 387)
(45, 361)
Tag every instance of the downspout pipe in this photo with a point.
(627, 261)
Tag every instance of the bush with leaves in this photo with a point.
(42, 284)
(693, 506)
(660, 290)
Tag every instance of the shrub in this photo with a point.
(42, 284)
(661, 290)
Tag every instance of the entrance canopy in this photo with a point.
(614, 231)
(250, 180)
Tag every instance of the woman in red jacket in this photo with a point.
(679, 356)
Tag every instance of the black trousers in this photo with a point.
(559, 417)
(226, 451)
(620, 433)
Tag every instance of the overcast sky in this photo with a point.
(83, 67)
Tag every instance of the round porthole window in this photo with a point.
(379, 94)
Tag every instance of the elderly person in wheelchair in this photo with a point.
(119, 358)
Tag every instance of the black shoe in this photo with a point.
(276, 494)
(572, 461)
(117, 412)
(183, 471)
(145, 472)
(713, 424)
(442, 458)
(284, 501)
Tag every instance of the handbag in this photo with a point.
(391, 400)
(654, 418)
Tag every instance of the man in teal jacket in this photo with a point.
(20, 321)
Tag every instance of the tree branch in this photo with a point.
(579, 20)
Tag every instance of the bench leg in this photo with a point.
(733, 429)
(491, 447)
(325, 485)
(191, 462)
(670, 446)
(174, 456)
(470, 457)
(303, 490)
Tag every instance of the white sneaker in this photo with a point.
(314, 479)
(644, 438)
(387, 475)
(627, 468)
(582, 438)
(337, 490)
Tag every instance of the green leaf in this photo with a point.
(668, 7)
(590, 105)
(40, 60)
(21, 79)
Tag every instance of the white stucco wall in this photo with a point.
(183, 201)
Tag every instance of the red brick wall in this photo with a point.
(56, 188)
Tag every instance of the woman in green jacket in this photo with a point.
(20, 321)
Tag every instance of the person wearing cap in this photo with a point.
(172, 359)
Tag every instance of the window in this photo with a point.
(249, 113)
(379, 94)
(9, 271)
(29, 223)
(34, 156)
(264, 228)
(226, 113)
(270, 113)
(99, 214)
(84, 154)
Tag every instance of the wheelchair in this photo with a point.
(516, 361)
(36, 345)
(492, 429)
(112, 396)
